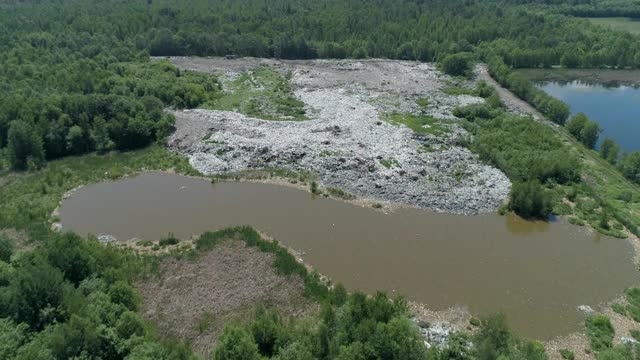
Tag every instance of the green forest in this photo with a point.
(76, 75)
(79, 77)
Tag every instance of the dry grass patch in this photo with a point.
(193, 299)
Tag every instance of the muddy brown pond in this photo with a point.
(536, 273)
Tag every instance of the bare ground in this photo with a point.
(193, 299)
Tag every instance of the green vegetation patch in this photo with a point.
(459, 90)
(66, 295)
(339, 193)
(600, 332)
(423, 124)
(633, 306)
(618, 23)
(521, 147)
(389, 163)
(619, 308)
(422, 102)
(573, 180)
(263, 93)
(567, 354)
(168, 241)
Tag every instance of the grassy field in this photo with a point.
(418, 123)
(618, 23)
(262, 93)
(610, 190)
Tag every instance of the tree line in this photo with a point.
(76, 77)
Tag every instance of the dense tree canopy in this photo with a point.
(76, 73)
(65, 300)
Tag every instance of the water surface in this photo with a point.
(615, 109)
(537, 273)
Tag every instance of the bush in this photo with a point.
(633, 298)
(265, 328)
(584, 130)
(6, 249)
(494, 337)
(524, 149)
(236, 343)
(600, 332)
(12, 336)
(457, 64)
(529, 200)
(567, 354)
(35, 294)
(609, 150)
(169, 240)
(122, 293)
(630, 166)
(576, 124)
(144, 243)
(619, 308)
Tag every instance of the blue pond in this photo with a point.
(616, 109)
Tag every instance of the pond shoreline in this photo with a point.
(589, 76)
(444, 313)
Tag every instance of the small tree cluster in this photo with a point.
(584, 130)
(529, 200)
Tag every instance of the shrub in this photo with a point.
(584, 130)
(576, 124)
(529, 200)
(600, 332)
(265, 328)
(524, 149)
(457, 64)
(34, 294)
(493, 337)
(630, 166)
(619, 308)
(609, 150)
(589, 134)
(295, 351)
(129, 324)
(475, 112)
(633, 308)
(236, 343)
(6, 249)
(169, 240)
(567, 354)
(145, 243)
(122, 293)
